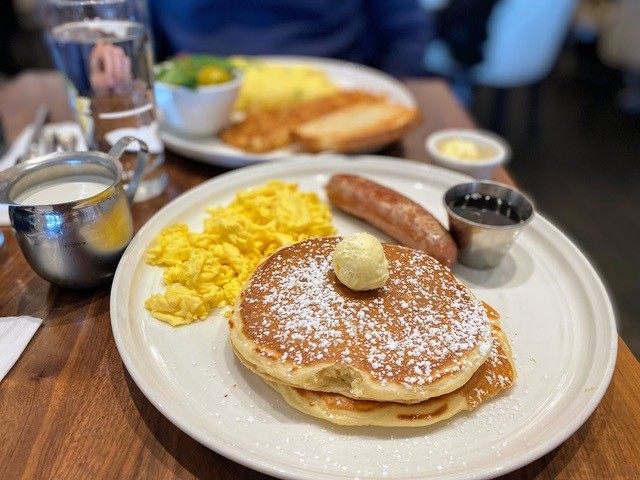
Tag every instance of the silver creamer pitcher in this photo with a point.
(73, 243)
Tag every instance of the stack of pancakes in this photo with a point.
(414, 352)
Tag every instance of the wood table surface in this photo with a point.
(69, 409)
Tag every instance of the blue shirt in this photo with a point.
(387, 34)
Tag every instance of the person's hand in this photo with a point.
(110, 69)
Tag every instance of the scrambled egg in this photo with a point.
(269, 85)
(206, 270)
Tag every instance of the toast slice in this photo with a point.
(266, 130)
(357, 128)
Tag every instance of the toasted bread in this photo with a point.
(357, 128)
(266, 130)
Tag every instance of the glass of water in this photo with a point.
(103, 48)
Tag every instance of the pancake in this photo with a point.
(495, 375)
(422, 335)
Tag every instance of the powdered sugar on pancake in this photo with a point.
(420, 326)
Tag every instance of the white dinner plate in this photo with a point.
(555, 311)
(345, 75)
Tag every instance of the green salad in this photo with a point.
(194, 71)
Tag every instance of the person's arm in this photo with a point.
(402, 29)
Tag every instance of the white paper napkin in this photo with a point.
(20, 145)
(15, 334)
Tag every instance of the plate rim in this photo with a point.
(189, 148)
(238, 455)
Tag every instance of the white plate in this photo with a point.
(344, 74)
(554, 309)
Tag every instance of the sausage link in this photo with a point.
(396, 215)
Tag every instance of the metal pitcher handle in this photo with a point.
(143, 157)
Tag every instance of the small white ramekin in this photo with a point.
(480, 169)
(199, 112)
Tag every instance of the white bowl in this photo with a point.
(482, 168)
(199, 112)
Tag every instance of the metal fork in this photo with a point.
(33, 147)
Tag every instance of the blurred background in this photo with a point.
(559, 79)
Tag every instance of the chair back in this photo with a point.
(524, 38)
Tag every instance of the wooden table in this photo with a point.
(68, 408)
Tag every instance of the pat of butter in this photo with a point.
(359, 262)
(460, 149)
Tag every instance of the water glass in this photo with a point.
(103, 48)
